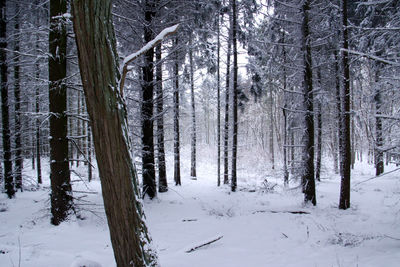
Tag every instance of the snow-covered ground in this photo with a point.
(255, 222)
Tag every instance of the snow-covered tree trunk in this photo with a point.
(61, 191)
(193, 105)
(98, 62)
(227, 93)
(177, 156)
(235, 90)
(148, 171)
(218, 104)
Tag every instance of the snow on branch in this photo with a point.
(127, 60)
(371, 57)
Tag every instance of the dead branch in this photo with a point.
(204, 244)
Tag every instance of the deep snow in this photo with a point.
(255, 224)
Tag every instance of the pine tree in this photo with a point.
(61, 191)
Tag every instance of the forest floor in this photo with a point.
(262, 224)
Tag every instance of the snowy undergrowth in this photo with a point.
(262, 224)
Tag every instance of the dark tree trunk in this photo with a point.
(235, 98)
(319, 143)
(271, 128)
(227, 89)
(285, 118)
(218, 106)
(308, 172)
(97, 53)
(149, 179)
(162, 174)
(379, 164)
(177, 157)
(340, 118)
(193, 132)
(8, 176)
(61, 191)
(37, 110)
(344, 201)
(89, 152)
(17, 105)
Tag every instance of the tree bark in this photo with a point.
(379, 164)
(162, 174)
(148, 171)
(17, 105)
(344, 201)
(193, 132)
(177, 157)
(98, 62)
(8, 176)
(308, 172)
(218, 105)
(61, 191)
(235, 98)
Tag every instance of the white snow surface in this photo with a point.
(255, 224)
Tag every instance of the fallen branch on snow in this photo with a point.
(282, 211)
(376, 176)
(204, 244)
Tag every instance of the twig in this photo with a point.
(189, 220)
(204, 244)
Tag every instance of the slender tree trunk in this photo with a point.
(218, 106)
(344, 201)
(79, 131)
(37, 110)
(319, 143)
(193, 133)
(17, 106)
(379, 164)
(285, 118)
(340, 118)
(89, 152)
(177, 157)
(97, 53)
(271, 128)
(235, 98)
(227, 92)
(308, 172)
(61, 191)
(8, 176)
(162, 174)
(149, 179)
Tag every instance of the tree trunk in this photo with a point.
(37, 110)
(218, 106)
(17, 105)
(8, 176)
(89, 152)
(344, 201)
(379, 164)
(193, 132)
(235, 98)
(319, 143)
(308, 172)
(148, 172)
(61, 191)
(271, 129)
(162, 174)
(97, 54)
(227, 89)
(177, 157)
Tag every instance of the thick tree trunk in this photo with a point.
(17, 105)
(308, 172)
(193, 132)
(235, 121)
(8, 176)
(61, 191)
(162, 174)
(344, 201)
(177, 157)
(98, 62)
(148, 171)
